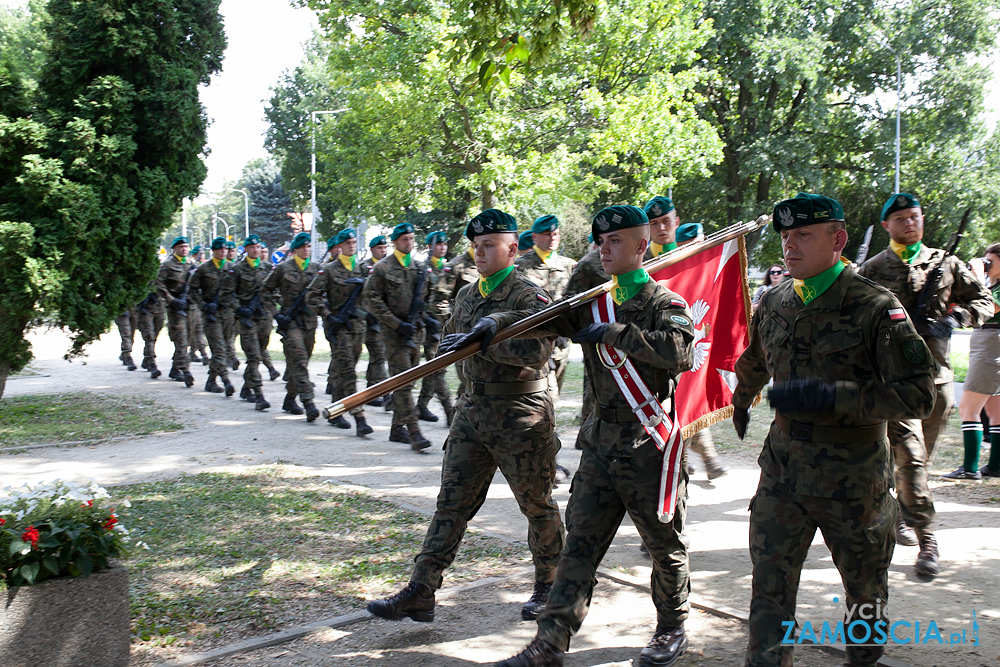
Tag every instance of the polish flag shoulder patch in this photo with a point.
(896, 314)
(680, 303)
(542, 298)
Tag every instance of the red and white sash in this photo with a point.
(664, 429)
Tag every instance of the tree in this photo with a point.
(99, 163)
(269, 202)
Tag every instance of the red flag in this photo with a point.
(714, 284)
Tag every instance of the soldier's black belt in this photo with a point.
(990, 326)
(833, 435)
(616, 415)
(509, 388)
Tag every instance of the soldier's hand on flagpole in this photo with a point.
(741, 418)
(803, 395)
(485, 329)
(594, 333)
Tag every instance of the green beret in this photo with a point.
(613, 218)
(544, 223)
(436, 237)
(898, 202)
(524, 241)
(688, 231)
(491, 221)
(230, 245)
(301, 239)
(218, 243)
(378, 240)
(806, 209)
(195, 250)
(658, 206)
(179, 240)
(253, 239)
(400, 229)
(332, 241)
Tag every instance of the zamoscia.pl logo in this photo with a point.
(867, 627)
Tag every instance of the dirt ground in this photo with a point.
(481, 625)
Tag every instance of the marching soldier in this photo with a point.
(463, 268)
(253, 314)
(524, 243)
(171, 288)
(211, 289)
(296, 324)
(504, 420)
(643, 332)
(195, 322)
(378, 368)
(844, 358)
(663, 223)
(958, 299)
(335, 293)
(544, 266)
(271, 309)
(395, 293)
(128, 324)
(229, 316)
(151, 313)
(438, 309)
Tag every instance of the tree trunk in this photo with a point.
(764, 186)
(4, 372)
(488, 197)
(734, 185)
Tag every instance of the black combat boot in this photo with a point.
(175, 374)
(425, 414)
(376, 402)
(667, 645)
(362, 425)
(193, 357)
(539, 653)
(927, 560)
(415, 601)
(259, 402)
(246, 394)
(311, 412)
(204, 358)
(234, 363)
(129, 364)
(212, 386)
(417, 440)
(397, 433)
(291, 407)
(230, 390)
(154, 372)
(145, 364)
(340, 422)
(714, 468)
(188, 379)
(536, 603)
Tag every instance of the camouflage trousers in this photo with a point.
(128, 324)
(342, 378)
(196, 329)
(253, 340)
(557, 367)
(377, 361)
(229, 332)
(527, 460)
(434, 384)
(215, 333)
(860, 533)
(150, 324)
(701, 443)
(603, 490)
(177, 329)
(588, 407)
(402, 358)
(298, 346)
(914, 443)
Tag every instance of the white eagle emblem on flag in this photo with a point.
(701, 343)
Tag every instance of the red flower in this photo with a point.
(2, 521)
(89, 503)
(31, 536)
(111, 522)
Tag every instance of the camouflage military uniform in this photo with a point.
(254, 325)
(212, 287)
(128, 324)
(833, 470)
(620, 466)
(552, 275)
(378, 368)
(298, 339)
(151, 313)
(388, 295)
(171, 282)
(438, 306)
(589, 273)
(504, 418)
(914, 441)
(464, 271)
(328, 293)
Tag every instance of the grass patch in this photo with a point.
(960, 364)
(235, 555)
(52, 418)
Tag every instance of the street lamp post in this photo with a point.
(899, 95)
(218, 216)
(312, 179)
(246, 209)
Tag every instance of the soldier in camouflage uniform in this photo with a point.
(620, 467)
(253, 304)
(504, 420)
(171, 288)
(229, 317)
(438, 310)
(211, 290)
(959, 300)
(151, 314)
(544, 266)
(389, 296)
(296, 324)
(128, 324)
(271, 309)
(335, 293)
(378, 365)
(195, 321)
(663, 223)
(463, 269)
(524, 243)
(844, 358)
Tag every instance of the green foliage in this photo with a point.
(269, 202)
